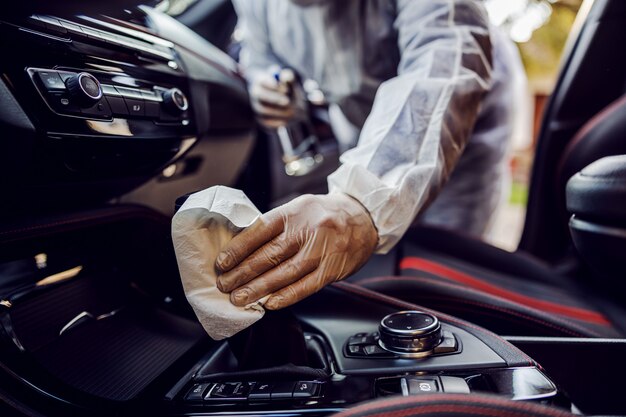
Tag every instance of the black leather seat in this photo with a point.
(447, 405)
(512, 294)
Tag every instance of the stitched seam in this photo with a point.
(578, 327)
(428, 264)
(524, 316)
(456, 409)
(438, 399)
(562, 310)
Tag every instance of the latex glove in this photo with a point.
(274, 102)
(297, 249)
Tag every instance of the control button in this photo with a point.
(422, 386)
(92, 33)
(129, 92)
(51, 80)
(71, 27)
(84, 88)
(306, 389)
(448, 344)
(283, 390)
(196, 393)
(375, 350)
(356, 350)
(242, 390)
(109, 90)
(151, 96)
(175, 102)
(62, 103)
(361, 340)
(222, 391)
(454, 385)
(135, 107)
(101, 110)
(52, 24)
(410, 333)
(261, 391)
(118, 106)
(65, 75)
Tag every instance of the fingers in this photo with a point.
(271, 95)
(272, 123)
(279, 277)
(262, 260)
(266, 228)
(298, 291)
(263, 110)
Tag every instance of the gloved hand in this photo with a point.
(274, 102)
(297, 249)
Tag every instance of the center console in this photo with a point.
(93, 321)
(368, 349)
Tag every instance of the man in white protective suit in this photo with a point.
(427, 83)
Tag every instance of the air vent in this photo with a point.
(141, 43)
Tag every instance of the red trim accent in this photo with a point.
(415, 405)
(457, 276)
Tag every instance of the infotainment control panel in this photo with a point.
(82, 94)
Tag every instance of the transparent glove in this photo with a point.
(297, 249)
(276, 103)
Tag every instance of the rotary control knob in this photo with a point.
(84, 88)
(410, 333)
(175, 101)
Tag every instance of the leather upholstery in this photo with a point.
(536, 301)
(598, 192)
(447, 405)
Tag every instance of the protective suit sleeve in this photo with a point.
(422, 119)
(256, 50)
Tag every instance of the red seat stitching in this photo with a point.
(446, 272)
(421, 400)
(584, 331)
(452, 408)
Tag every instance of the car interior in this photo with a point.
(112, 112)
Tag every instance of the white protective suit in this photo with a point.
(420, 81)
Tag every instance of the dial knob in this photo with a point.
(175, 101)
(84, 88)
(410, 333)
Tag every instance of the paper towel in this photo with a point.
(202, 227)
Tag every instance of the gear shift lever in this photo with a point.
(277, 339)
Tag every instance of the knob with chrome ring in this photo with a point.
(411, 334)
(84, 88)
(175, 101)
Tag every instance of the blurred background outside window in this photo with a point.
(540, 28)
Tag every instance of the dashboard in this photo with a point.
(93, 108)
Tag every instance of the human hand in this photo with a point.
(273, 101)
(297, 249)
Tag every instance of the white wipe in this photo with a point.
(202, 227)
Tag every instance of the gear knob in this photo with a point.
(410, 333)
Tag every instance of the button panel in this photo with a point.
(365, 345)
(116, 101)
(420, 385)
(254, 392)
